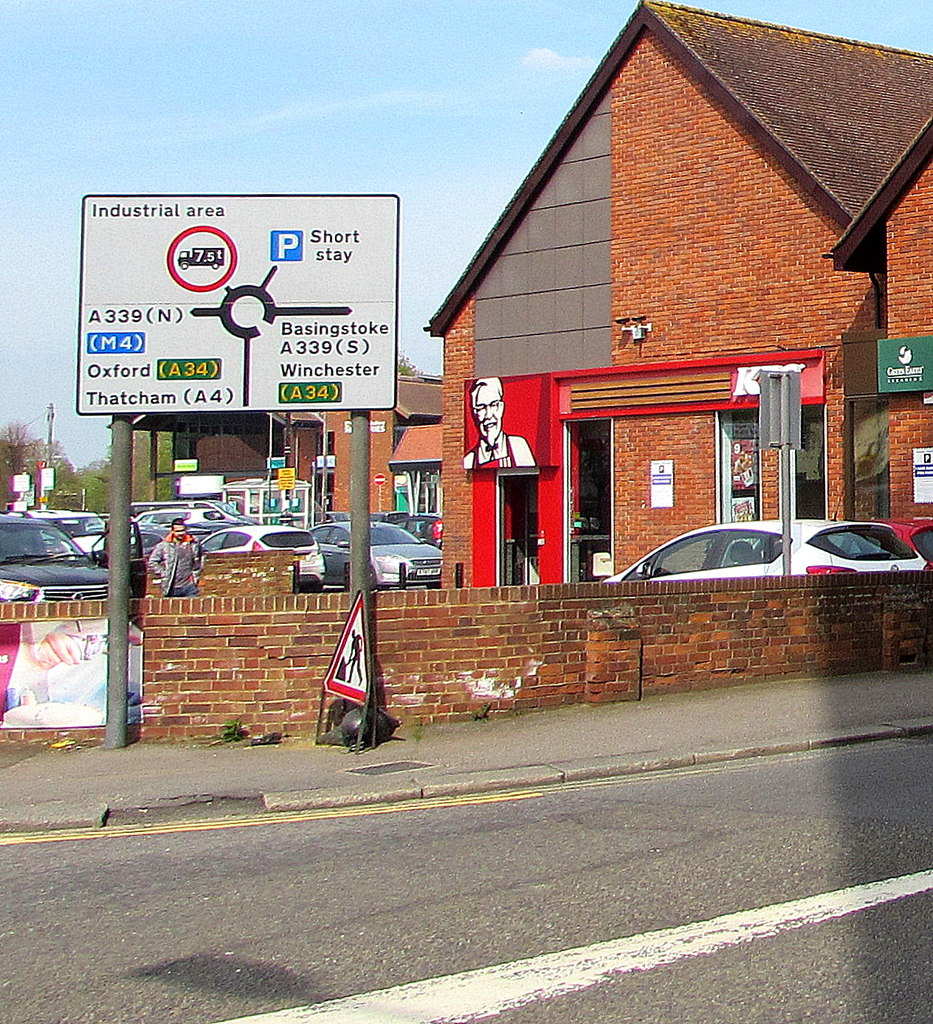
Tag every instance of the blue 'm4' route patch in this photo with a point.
(101, 344)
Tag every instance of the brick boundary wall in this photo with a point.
(452, 654)
(229, 573)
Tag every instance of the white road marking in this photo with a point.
(482, 993)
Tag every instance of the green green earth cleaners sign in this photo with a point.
(905, 364)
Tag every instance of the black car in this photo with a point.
(426, 526)
(40, 562)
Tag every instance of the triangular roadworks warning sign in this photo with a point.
(348, 675)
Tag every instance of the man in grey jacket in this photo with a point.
(176, 561)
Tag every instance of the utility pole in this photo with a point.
(50, 419)
(46, 480)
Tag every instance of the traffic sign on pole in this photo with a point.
(348, 674)
(238, 303)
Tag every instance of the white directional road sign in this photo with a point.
(231, 303)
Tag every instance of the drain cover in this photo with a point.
(386, 769)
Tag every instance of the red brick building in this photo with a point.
(671, 239)
(889, 240)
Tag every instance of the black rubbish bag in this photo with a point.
(345, 719)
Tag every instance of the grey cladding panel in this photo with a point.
(542, 313)
(594, 140)
(565, 351)
(544, 305)
(566, 186)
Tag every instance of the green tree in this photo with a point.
(92, 484)
(406, 367)
(20, 452)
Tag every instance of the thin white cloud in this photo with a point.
(543, 59)
(212, 127)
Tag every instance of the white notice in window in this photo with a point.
(923, 475)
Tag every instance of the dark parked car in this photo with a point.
(40, 562)
(426, 526)
(397, 558)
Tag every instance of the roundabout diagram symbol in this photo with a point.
(187, 264)
(225, 311)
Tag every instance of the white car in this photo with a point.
(309, 559)
(818, 546)
(204, 520)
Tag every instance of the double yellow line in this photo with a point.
(272, 818)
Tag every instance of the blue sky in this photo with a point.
(445, 102)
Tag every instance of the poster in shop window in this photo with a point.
(53, 674)
(743, 466)
(744, 476)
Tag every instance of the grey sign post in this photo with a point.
(779, 427)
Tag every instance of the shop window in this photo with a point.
(810, 465)
(590, 497)
(740, 466)
(871, 481)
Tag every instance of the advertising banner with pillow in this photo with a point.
(53, 674)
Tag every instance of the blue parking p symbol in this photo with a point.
(286, 246)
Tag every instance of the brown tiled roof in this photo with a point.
(419, 444)
(846, 110)
(836, 113)
(863, 245)
(419, 398)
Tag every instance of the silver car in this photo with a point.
(396, 556)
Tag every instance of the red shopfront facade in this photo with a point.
(575, 475)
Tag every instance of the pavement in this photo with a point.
(76, 786)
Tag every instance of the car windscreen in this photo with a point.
(863, 544)
(923, 542)
(386, 533)
(22, 540)
(159, 518)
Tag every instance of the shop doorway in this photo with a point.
(518, 529)
(590, 500)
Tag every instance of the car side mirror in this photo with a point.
(645, 571)
(100, 555)
(98, 552)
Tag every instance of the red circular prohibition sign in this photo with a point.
(173, 248)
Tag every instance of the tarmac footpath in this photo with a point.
(91, 787)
